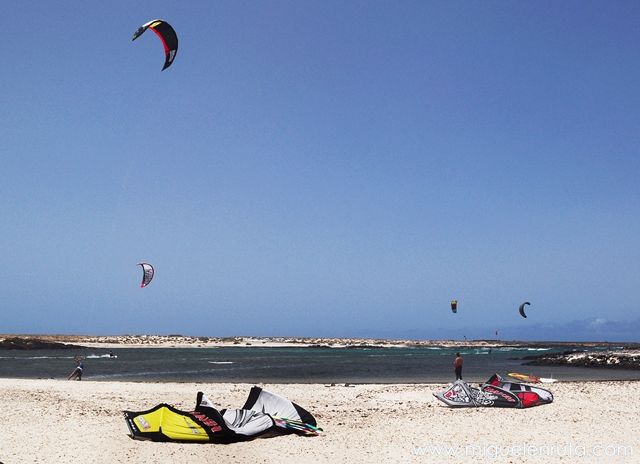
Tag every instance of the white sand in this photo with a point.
(56, 421)
(182, 341)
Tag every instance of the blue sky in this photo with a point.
(328, 168)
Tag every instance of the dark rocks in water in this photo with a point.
(607, 360)
(17, 343)
(347, 347)
(364, 345)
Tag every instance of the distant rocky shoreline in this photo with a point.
(19, 343)
(625, 359)
(48, 341)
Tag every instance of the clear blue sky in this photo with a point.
(322, 168)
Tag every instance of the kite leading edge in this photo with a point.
(167, 35)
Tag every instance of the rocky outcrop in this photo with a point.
(18, 343)
(606, 359)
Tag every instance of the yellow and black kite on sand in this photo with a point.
(263, 414)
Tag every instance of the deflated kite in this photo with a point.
(495, 392)
(147, 274)
(167, 35)
(263, 414)
(521, 309)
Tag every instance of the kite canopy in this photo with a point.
(495, 392)
(147, 274)
(263, 414)
(167, 35)
(521, 308)
(454, 306)
(529, 395)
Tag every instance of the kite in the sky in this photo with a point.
(454, 306)
(521, 308)
(147, 274)
(167, 36)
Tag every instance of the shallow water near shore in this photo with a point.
(293, 364)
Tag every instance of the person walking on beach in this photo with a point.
(457, 364)
(77, 372)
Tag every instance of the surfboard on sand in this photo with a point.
(547, 380)
(531, 378)
(524, 377)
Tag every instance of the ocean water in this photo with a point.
(292, 365)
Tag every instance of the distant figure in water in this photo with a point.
(111, 355)
(77, 372)
(457, 364)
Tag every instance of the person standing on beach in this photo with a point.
(77, 372)
(457, 364)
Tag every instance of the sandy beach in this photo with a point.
(57, 421)
(185, 341)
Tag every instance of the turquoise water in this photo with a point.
(291, 365)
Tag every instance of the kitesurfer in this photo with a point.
(77, 372)
(457, 364)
